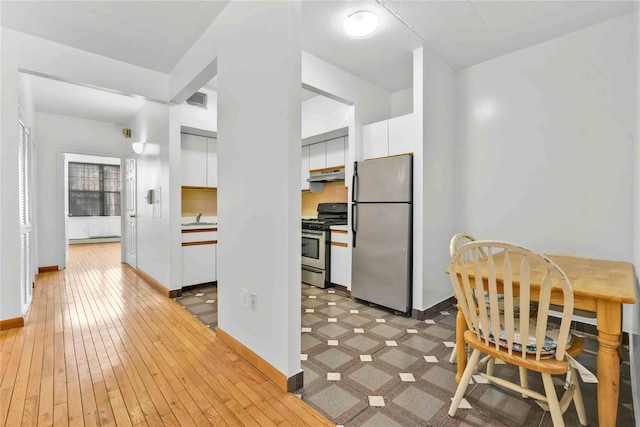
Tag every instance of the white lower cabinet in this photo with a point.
(340, 258)
(198, 264)
(199, 256)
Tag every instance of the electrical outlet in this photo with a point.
(254, 301)
(245, 298)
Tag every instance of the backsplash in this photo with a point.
(205, 201)
(199, 200)
(332, 192)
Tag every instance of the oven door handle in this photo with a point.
(312, 269)
(313, 234)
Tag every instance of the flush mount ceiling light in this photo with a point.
(361, 24)
(138, 147)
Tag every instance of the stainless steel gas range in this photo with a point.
(316, 243)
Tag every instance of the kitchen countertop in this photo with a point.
(190, 223)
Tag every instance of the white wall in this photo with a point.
(402, 102)
(94, 227)
(546, 144)
(199, 117)
(321, 114)
(58, 134)
(151, 124)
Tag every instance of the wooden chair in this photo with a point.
(506, 271)
(456, 241)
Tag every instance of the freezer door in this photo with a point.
(388, 179)
(382, 256)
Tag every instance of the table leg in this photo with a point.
(461, 327)
(608, 361)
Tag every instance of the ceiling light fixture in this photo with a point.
(138, 147)
(361, 24)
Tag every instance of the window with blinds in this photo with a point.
(94, 189)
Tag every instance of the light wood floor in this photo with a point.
(101, 347)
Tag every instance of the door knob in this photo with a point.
(132, 216)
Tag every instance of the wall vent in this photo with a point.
(199, 99)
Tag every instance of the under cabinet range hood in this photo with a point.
(326, 175)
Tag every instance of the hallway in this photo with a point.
(101, 346)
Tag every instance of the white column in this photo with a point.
(434, 171)
(259, 146)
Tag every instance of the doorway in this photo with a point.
(91, 198)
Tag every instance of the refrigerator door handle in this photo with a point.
(354, 181)
(354, 223)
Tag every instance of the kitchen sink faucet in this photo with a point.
(198, 216)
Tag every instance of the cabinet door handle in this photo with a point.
(132, 216)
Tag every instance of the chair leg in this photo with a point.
(577, 399)
(490, 364)
(464, 382)
(524, 380)
(552, 401)
(454, 354)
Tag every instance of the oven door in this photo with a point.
(313, 276)
(313, 247)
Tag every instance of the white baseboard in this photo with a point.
(94, 240)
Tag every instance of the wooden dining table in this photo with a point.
(599, 286)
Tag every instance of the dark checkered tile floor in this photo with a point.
(365, 366)
(202, 302)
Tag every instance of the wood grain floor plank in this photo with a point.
(45, 401)
(101, 346)
(60, 415)
(7, 340)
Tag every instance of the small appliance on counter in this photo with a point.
(316, 243)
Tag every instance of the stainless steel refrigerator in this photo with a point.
(382, 228)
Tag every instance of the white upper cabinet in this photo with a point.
(389, 137)
(304, 169)
(327, 154)
(212, 162)
(199, 160)
(334, 152)
(375, 140)
(194, 160)
(402, 135)
(317, 156)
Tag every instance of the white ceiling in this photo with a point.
(156, 34)
(462, 33)
(57, 97)
(151, 34)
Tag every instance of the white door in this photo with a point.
(130, 212)
(66, 210)
(26, 236)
